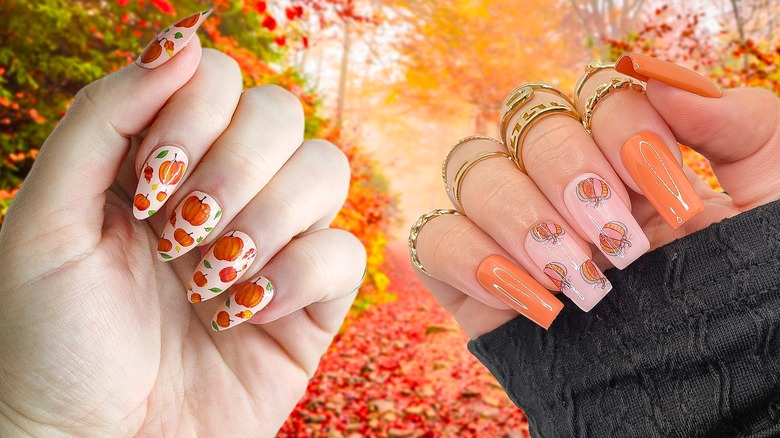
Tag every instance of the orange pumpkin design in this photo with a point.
(161, 196)
(223, 319)
(613, 238)
(141, 202)
(183, 237)
(547, 231)
(152, 52)
(591, 274)
(189, 21)
(228, 274)
(171, 171)
(164, 245)
(195, 298)
(228, 247)
(249, 294)
(593, 190)
(556, 272)
(199, 278)
(195, 211)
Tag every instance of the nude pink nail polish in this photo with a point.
(605, 219)
(566, 264)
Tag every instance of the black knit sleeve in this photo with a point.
(686, 344)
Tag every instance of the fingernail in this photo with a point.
(645, 67)
(249, 298)
(193, 220)
(566, 265)
(171, 40)
(161, 173)
(661, 178)
(519, 290)
(229, 257)
(605, 219)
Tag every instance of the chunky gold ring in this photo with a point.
(591, 69)
(457, 182)
(454, 147)
(616, 84)
(520, 96)
(415, 231)
(531, 116)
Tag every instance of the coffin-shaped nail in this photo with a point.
(644, 67)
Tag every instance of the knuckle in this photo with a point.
(440, 242)
(276, 103)
(553, 141)
(221, 62)
(326, 160)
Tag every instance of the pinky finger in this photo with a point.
(319, 267)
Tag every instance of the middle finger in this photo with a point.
(568, 167)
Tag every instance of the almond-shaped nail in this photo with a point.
(192, 220)
(160, 175)
(661, 178)
(248, 298)
(605, 219)
(171, 40)
(519, 290)
(229, 257)
(644, 67)
(566, 264)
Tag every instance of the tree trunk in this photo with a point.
(343, 74)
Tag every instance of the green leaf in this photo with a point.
(199, 239)
(167, 29)
(162, 154)
(227, 303)
(214, 326)
(215, 289)
(207, 264)
(165, 256)
(268, 286)
(178, 35)
(219, 213)
(208, 229)
(151, 212)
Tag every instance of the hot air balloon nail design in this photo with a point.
(547, 231)
(605, 219)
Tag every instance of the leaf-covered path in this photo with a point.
(402, 370)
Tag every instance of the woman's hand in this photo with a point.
(586, 203)
(97, 336)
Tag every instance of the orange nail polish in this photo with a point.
(645, 67)
(519, 290)
(661, 179)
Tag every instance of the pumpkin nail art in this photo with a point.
(160, 175)
(566, 265)
(229, 257)
(171, 40)
(193, 220)
(246, 299)
(605, 219)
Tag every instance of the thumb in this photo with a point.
(65, 189)
(738, 132)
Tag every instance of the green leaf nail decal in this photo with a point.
(165, 256)
(215, 289)
(167, 29)
(162, 154)
(269, 287)
(151, 212)
(208, 229)
(178, 35)
(227, 303)
(207, 264)
(199, 239)
(214, 325)
(219, 213)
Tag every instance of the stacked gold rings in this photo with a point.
(415, 231)
(616, 84)
(519, 97)
(591, 69)
(528, 118)
(457, 181)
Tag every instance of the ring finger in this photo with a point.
(567, 166)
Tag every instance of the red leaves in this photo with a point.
(260, 7)
(384, 376)
(123, 2)
(164, 6)
(269, 23)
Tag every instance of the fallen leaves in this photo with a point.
(402, 370)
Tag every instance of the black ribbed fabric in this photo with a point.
(687, 344)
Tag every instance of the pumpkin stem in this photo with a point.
(201, 200)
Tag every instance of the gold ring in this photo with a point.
(531, 116)
(415, 231)
(455, 146)
(457, 182)
(591, 69)
(519, 97)
(616, 84)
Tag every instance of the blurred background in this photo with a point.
(394, 83)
